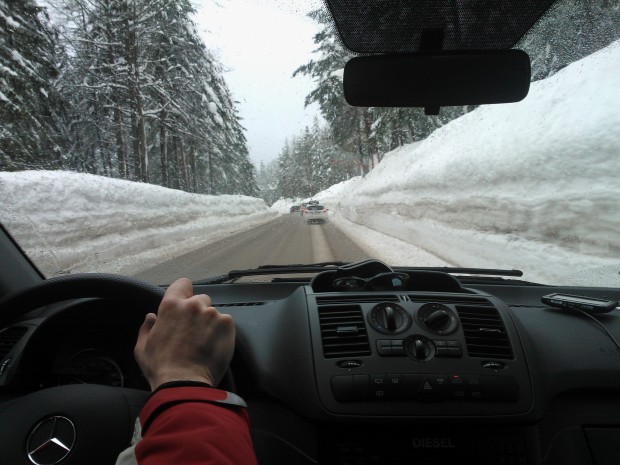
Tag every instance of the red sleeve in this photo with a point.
(194, 425)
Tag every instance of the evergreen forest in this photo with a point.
(128, 89)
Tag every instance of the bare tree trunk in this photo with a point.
(371, 142)
(184, 170)
(99, 145)
(137, 169)
(121, 147)
(181, 164)
(360, 151)
(411, 130)
(211, 177)
(163, 149)
(144, 159)
(193, 174)
(137, 113)
(174, 167)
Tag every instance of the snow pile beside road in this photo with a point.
(532, 185)
(284, 205)
(69, 222)
(337, 190)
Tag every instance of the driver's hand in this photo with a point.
(188, 340)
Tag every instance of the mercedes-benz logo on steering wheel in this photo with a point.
(50, 441)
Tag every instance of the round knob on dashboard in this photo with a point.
(389, 318)
(419, 348)
(438, 320)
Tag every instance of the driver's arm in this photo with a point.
(183, 351)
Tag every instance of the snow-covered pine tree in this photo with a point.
(29, 105)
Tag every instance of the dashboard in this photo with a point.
(432, 374)
(83, 342)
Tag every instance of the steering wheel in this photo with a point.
(73, 424)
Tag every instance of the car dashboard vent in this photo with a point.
(454, 299)
(357, 299)
(8, 338)
(485, 333)
(343, 331)
(240, 304)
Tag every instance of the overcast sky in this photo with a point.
(261, 43)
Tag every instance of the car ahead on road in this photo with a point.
(295, 209)
(316, 214)
(435, 350)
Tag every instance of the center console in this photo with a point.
(412, 354)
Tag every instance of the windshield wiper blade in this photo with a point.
(272, 269)
(303, 265)
(323, 266)
(495, 280)
(476, 275)
(456, 270)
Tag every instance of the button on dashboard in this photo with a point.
(429, 387)
(397, 347)
(411, 384)
(455, 352)
(448, 348)
(394, 380)
(377, 380)
(342, 388)
(390, 347)
(361, 386)
(384, 347)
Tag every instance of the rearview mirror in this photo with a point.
(435, 79)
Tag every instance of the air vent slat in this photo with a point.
(479, 342)
(345, 343)
(240, 304)
(328, 328)
(343, 331)
(484, 330)
(355, 298)
(9, 337)
(328, 331)
(475, 323)
(479, 348)
(454, 299)
(337, 316)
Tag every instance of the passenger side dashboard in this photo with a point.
(549, 380)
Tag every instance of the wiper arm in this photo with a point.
(303, 265)
(272, 269)
(475, 275)
(323, 266)
(456, 270)
(495, 280)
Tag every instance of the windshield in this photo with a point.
(182, 138)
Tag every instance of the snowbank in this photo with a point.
(284, 205)
(69, 221)
(531, 185)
